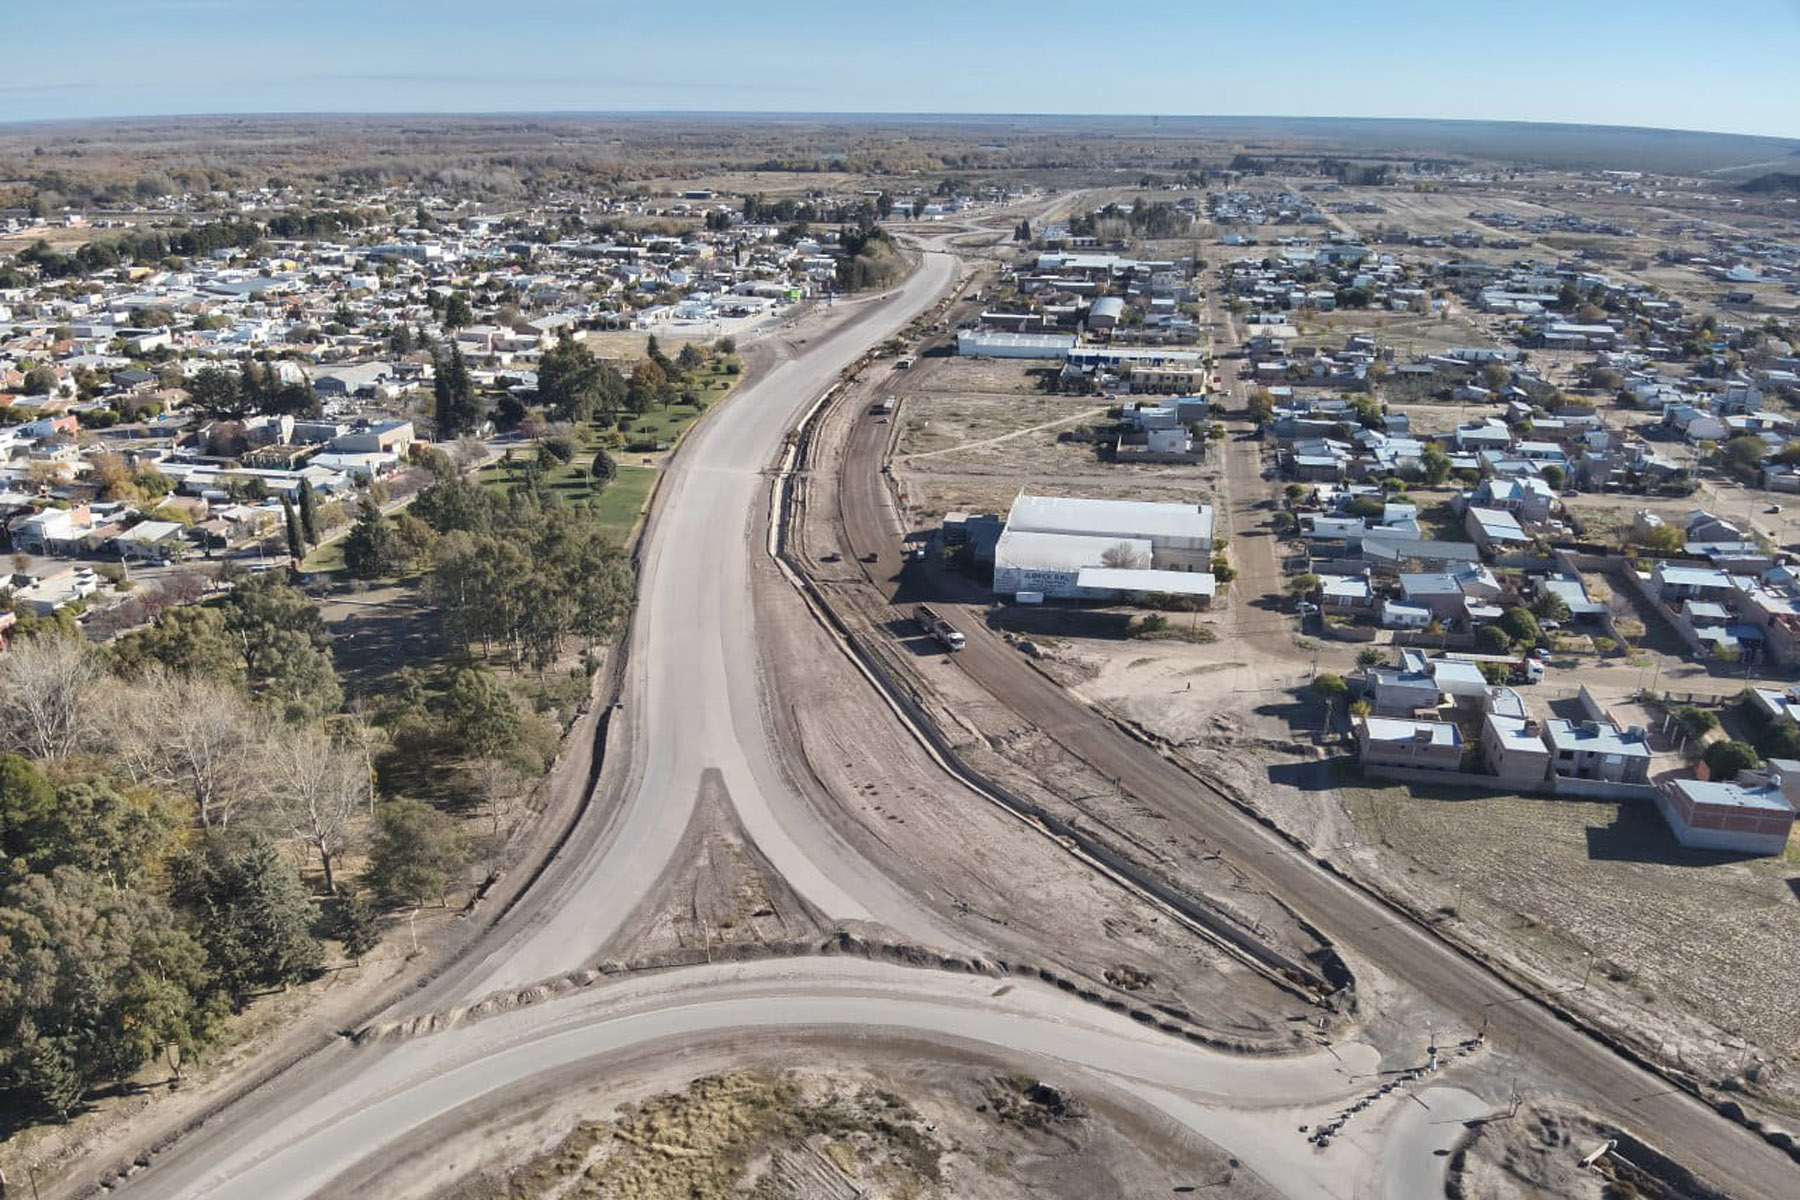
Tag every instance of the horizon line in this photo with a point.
(821, 114)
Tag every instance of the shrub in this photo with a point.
(1726, 759)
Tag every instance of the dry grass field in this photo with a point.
(1692, 952)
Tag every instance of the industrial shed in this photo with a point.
(1051, 541)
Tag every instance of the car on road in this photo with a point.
(871, 556)
(1773, 508)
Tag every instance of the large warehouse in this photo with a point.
(984, 343)
(1123, 547)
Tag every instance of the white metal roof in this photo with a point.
(1110, 518)
(1123, 579)
(1029, 551)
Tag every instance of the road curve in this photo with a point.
(693, 698)
(382, 1096)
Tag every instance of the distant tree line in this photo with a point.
(1146, 219)
(141, 247)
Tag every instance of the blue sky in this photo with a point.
(1731, 66)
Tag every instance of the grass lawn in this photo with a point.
(622, 501)
(329, 557)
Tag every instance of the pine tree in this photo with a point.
(353, 923)
(369, 548)
(309, 512)
(454, 394)
(295, 539)
(255, 916)
(457, 313)
(48, 1075)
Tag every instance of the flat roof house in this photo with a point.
(1422, 745)
(1514, 750)
(1598, 750)
(1753, 814)
(1397, 693)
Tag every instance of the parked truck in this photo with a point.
(938, 628)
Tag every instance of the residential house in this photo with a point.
(1528, 498)
(1514, 750)
(1402, 692)
(1753, 814)
(1672, 583)
(1494, 530)
(1420, 745)
(1598, 750)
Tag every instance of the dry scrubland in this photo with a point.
(793, 1135)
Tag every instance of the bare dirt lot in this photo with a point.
(970, 433)
(1537, 1151)
(1690, 952)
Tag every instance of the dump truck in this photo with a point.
(938, 628)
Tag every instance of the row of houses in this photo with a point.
(1441, 719)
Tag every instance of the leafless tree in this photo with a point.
(48, 688)
(1123, 556)
(319, 785)
(195, 737)
(187, 585)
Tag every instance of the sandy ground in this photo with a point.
(971, 433)
(967, 1126)
(1537, 1151)
(1016, 885)
(1010, 885)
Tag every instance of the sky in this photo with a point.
(1727, 66)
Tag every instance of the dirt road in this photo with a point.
(1366, 930)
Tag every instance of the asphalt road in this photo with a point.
(1365, 930)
